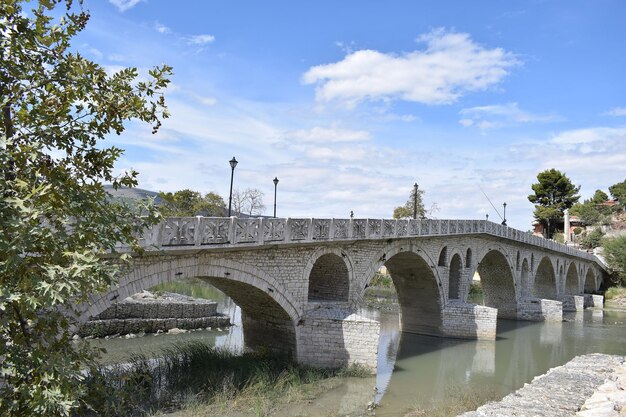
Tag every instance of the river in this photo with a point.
(429, 372)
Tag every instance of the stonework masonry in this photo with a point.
(594, 300)
(562, 391)
(469, 321)
(539, 309)
(300, 282)
(573, 302)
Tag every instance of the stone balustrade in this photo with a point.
(206, 232)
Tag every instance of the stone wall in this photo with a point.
(147, 313)
(335, 338)
(539, 309)
(573, 302)
(558, 393)
(469, 321)
(593, 300)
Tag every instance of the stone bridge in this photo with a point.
(300, 282)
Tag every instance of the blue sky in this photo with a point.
(349, 103)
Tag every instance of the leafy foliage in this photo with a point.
(553, 193)
(408, 209)
(592, 239)
(592, 211)
(191, 203)
(55, 218)
(618, 191)
(615, 255)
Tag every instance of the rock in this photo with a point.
(176, 330)
(76, 337)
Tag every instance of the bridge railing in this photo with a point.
(233, 231)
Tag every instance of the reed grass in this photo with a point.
(196, 375)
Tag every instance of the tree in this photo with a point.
(407, 210)
(249, 201)
(615, 255)
(191, 203)
(592, 211)
(56, 222)
(618, 192)
(552, 195)
(592, 239)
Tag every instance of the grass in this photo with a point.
(192, 287)
(195, 376)
(380, 280)
(615, 292)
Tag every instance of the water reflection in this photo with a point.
(428, 369)
(424, 371)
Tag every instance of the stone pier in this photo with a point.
(539, 309)
(332, 338)
(469, 321)
(573, 302)
(593, 300)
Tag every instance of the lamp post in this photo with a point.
(233, 164)
(415, 186)
(504, 220)
(275, 188)
(487, 216)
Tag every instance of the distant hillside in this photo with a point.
(131, 194)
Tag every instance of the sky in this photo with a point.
(349, 103)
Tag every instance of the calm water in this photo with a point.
(421, 371)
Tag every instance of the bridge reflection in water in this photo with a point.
(426, 371)
(431, 371)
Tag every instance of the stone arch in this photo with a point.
(417, 283)
(545, 285)
(269, 311)
(532, 262)
(455, 277)
(590, 285)
(571, 281)
(329, 273)
(468, 258)
(525, 279)
(517, 261)
(498, 282)
(443, 257)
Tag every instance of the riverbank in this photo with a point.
(158, 312)
(615, 298)
(565, 390)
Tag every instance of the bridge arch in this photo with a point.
(591, 283)
(455, 277)
(418, 285)
(329, 273)
(571, 286)
(525, 280)
(545, 285)
(269, 311)
(498, 282)
(443, 257)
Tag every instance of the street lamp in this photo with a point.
(504, 220)
(415, 186)
(275, 187)
(233, 164)
(487, 216)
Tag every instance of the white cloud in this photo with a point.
(162, 28)
(123, 5)
(207, 101)
(451, 65)
(327, 135)
(616, 111)
(596, 135)
(200, 39)
(500, 115)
